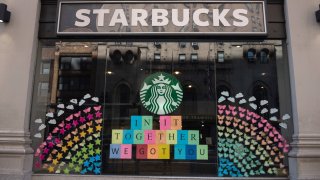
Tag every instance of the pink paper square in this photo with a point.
(126, 151)
(165, 122)
(149, 136)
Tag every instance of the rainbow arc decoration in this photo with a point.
(248, 144)
(74, 145)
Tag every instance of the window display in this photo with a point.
(162, 109)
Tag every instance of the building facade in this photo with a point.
(79, 95)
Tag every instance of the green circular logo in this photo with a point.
(161, 93)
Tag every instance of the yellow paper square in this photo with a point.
(164, 151)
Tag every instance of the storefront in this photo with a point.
(162, 89)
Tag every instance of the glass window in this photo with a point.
(45, 68)
(135, 109)
(43, 89)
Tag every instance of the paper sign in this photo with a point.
(136, 122)
(164, 151)
(176, 122)
(193, 137)
(202, 152)
(117, 136)
(191, 152)
(142, 151)
(149, 136)
(115, 151)
(160, 137)
(147, 122)
(138, 137)
(182, 136)
(127, 137)
(171, 136)
(179, 151)
(152, 151)
(126, 151)
(165, 122)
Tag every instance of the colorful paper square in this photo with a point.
(191, 152)
(171, 136)
(164, 151)
(152, 151)
(128, 136)
(165, 122)
(182, 136)
(193, 137)
(115, 151)
(138, 137)
(176, 122)
(180, 151)
(149, 136)
(202, 152)
(161, 137)
(136, 122)
(117, 136)
(142, 151)
(147, 122)
(126, 151)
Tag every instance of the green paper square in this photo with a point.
(147, 122)
(202, 152)
(193, 137)
(138, 137)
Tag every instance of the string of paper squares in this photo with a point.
(155, 144)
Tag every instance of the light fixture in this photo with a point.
(195, 45)
(264, 56)
(128, 57)
(263, 74)
(177, 72)
(251, 55)
(238, 46)
(318, 15)
(4, 13)
(220, 56)
(120, 54)
(109, 72)
(157, 57)
(182, 58)
(189, 86)
(183, 44)
(157, 44)
(116, 57)
(194, 58)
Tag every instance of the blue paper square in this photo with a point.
(127, 137)
(136, 122)
(180, 151)
(191, 152)
(182, 137)
(115, 151)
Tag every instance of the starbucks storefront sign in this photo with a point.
(162, 18)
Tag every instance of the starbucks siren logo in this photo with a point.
(161, 93)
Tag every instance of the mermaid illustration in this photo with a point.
(162, 96)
